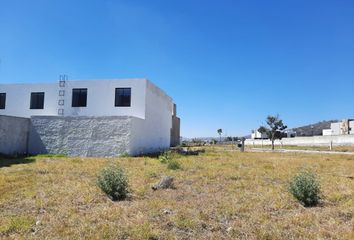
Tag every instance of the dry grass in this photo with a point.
(219, 195)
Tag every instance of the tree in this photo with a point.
(235, 139)
(219, 132)
(275, 129)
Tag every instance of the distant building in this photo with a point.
(290, 133)
(345, 127)
(258, 135)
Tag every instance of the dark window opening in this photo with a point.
(123, 97)
(2, 100)
(79, 98)
(37, 100)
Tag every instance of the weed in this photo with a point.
(173, 165)
(165, 157)
(113, 182)
(50, 156)
(124, 155)
(17, 225)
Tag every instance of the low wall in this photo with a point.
(80, 136)
(14, 135)
(339, 140)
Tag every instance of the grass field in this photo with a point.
(220, 194)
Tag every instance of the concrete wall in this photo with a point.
(81, 136)
(154, 133)
(175, 131)
(340, 140)
(14, 135)
(327, 132)
(336, 128)
(97, 136)
(176, 128)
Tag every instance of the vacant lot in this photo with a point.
(219, 195)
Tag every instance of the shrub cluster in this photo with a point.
(305, 187)
(168, 158)
(113, 182)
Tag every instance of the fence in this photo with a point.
(339, 140)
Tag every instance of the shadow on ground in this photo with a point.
(7, 162)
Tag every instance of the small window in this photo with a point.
(123, 97)
(79, 97)
(37, 100)
(2, 100)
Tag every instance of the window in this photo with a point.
(2, 100)
(123, 97)
(79, 97)
(37, 100)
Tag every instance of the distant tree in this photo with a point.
(229, 139)
(235, 139)
(275, 129)
(197, 141)
(219, 132)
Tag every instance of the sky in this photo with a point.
(226, 63)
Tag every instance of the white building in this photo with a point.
(345, 127)
(153, 122)
(258, 135)
(290, 133)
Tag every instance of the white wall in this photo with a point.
(256, 134)
(155, 132)
(14, 132)
(101, 96)
(339, 140)
(327, 132)
(336, 128)
(18, 98)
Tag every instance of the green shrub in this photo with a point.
(168, 158)
(165, 157)
(305, 187)
(124, 155)
(113, 182)
(173, 164)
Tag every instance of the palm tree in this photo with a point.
(219, 132)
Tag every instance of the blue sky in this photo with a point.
(226, 63)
